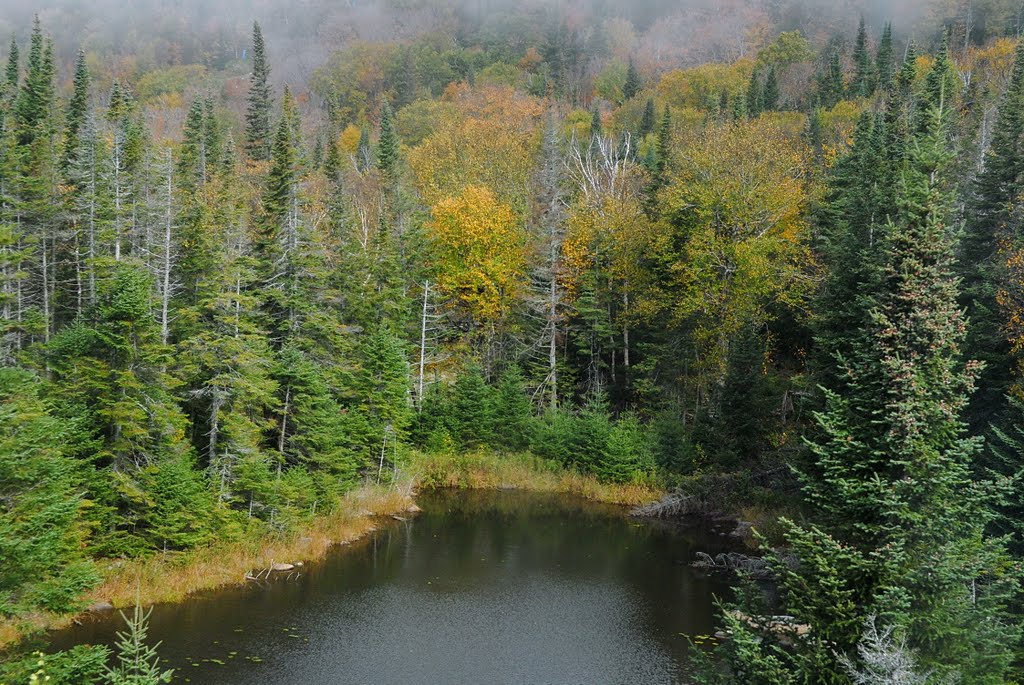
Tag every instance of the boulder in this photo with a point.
(100, 607)
(281, 567)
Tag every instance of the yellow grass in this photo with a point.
(172, 577)
(489, 471)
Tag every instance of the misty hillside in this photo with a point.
(732, 292)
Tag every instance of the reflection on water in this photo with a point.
(483, 587)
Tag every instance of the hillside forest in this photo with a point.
(767, 252)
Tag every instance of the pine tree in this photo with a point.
(633, 84)
(994, 197)
(136, 662)
(755, 97)
(43, 526)
(387, 145)
(900, 528)
(77, 110)
(863, 83)
(257, 115)
(12, 75)
(647, 119)
(884, 59)
(770, 94)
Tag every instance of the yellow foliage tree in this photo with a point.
(734, 242)
(492, 142)
(479, 246)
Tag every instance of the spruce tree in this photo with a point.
(862, 84)
(43, 526)
(647, 120)
(993, 201)
(387, 145)
(770, 94)
(755, 97)
(12, 74)
(830, 81)
(898, 528)
(884, 59)
(136, 663)
(77, 110)
(632, 85)
(257, 115)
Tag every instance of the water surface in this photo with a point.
(482, 587)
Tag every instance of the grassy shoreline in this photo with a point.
(173, 577)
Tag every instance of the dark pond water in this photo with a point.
(482, 587)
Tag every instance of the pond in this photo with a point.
(482, 587)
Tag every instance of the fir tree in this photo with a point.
(512, 412)
(755, 97)
(136, 662)
(830, 81)
(387, 145)
(632, 85)
(12, 75)
(863, 83)
(257, 117)
(901, 528)
(770, 94)
(994, 197)
(42, 523)
(647, 119)
(884, 59)
(77, 110)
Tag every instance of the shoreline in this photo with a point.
(168, 578)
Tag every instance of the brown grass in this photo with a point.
(172, 577)
(489, 471)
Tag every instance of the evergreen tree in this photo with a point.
(770, 94)
(257, 115)
(136, 662)
(884, 59)
(112, 374)
(387, 145)
(32, 108)
(512, 412)
(755, 97)
(633, 84)
(993, 201)
(12, 74)
(77, 110)
(647, 121)
(901, 527)
(472, 409)
(42, 523)
(863, 83)
(830, 81)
